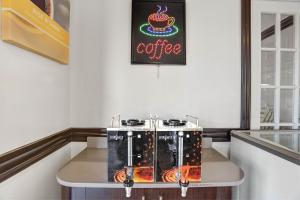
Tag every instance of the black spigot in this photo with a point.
(128, 183)
(184, 187)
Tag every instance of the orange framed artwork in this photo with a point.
(41, 26)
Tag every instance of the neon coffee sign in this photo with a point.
(157, 37)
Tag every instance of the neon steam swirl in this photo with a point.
(159, 9)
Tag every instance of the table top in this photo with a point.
(282, 143)
(89, 169)
(288, 139)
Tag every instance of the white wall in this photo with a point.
(77, 147)
(103, 82)
(222, 147)
(38, 182)
(268, 176)
(34, 97)
(34, 103)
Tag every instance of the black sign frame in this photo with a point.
(134, 27)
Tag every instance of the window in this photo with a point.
(275, 66)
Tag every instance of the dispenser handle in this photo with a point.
(113, 120)
(129, 148)
(193, 117)
(180, 153)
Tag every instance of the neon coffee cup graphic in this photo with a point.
(159, 24)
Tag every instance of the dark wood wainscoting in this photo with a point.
(19, 159)
(81, 134)
(219, 134)
(211, 193)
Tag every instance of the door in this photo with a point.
(275, 65)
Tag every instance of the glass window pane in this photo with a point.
(267, 105)
(266, 128)
(286, 140)
(268, 66)
(268, 136)
(287, 31)
(268, 30)
(285, 128)
(287, 68)
(286, 105)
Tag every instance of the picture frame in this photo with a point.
(40, 26)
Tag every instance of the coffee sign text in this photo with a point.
(155, 51)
